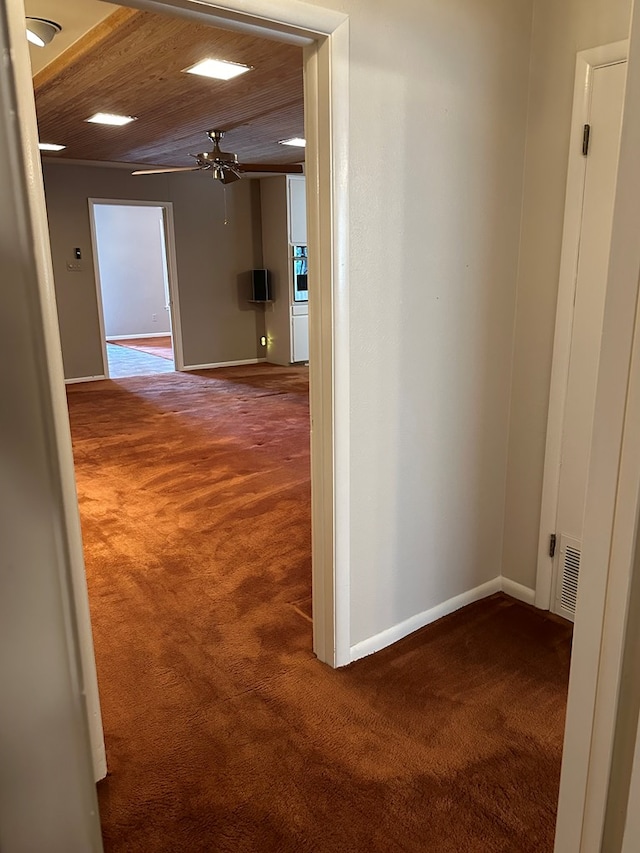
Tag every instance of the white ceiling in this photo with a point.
(75, 17)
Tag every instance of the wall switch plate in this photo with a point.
(154, 318)
(74, 266)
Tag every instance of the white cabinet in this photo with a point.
(297, 208)
(299, 333)
(284, 226)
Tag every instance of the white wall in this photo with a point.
(132, 269)
(560, 30)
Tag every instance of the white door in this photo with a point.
(299, 333)
(604, 120)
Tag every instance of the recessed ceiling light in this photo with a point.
(40, 31)
(296, 141)
(219, 69)
(50, 146)
(110, 118)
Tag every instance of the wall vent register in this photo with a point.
(568, 576)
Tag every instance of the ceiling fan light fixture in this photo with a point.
(110, 118)
(40, 31)
(50, 146)
(218, 69)
(296, 141)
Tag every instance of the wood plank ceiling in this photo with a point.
(132, 64)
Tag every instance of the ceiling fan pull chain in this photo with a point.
(224, 196)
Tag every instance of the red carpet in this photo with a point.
(224, 734)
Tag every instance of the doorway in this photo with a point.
(135, 286)
(600, 87)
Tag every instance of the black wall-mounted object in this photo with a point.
(261, 286)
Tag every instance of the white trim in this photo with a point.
(341, 343)
(172, 271)
(414, 623)
(112, 338)
(288, 20)
(518, 591)
(587, 61)
(98, 287)
(174, 287)
(216, 364)
(84, 379)
(610, 514)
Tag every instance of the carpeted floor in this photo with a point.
(160, 347)
(224, 734)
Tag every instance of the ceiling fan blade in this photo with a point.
(168, 169)
(290, 169)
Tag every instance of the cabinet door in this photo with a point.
(297, 199)
(300, 337)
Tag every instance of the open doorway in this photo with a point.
(161, 444)
(134, 286)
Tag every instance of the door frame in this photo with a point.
(324, 36)
(607, 615)
(586, 63)
(172, 273)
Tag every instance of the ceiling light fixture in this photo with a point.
(40, 31)
(296, 141)
(50, 146)
(111, 118)
(218, 69)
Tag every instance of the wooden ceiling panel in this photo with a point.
(133, 63)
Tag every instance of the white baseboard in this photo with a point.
(517, 590)
(84, 379)
(223, 364)
(166, 334)
(403, 629)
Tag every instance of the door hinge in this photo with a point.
(552, 545)
(586, 136)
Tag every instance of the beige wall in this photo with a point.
(218, 323)
(560, 30)
(438, 101)
(276, 256)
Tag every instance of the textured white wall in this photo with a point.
(132, 269)
(560, 30)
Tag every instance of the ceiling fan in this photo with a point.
(224, 166)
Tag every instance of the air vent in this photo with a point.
(570, 552)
